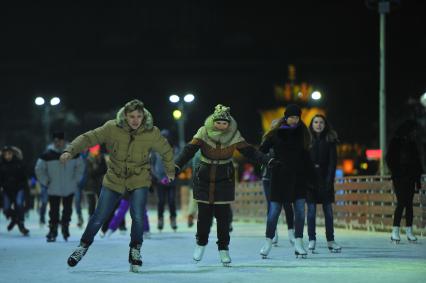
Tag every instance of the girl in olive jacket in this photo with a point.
(213, 181)
(129, 139)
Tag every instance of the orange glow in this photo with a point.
(348, 166)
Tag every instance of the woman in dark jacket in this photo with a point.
(13, 179)
(290, 140)
(214, 181)
(324, 156)
(403, 160)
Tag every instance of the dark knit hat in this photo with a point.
(222, 113)
(58, 135)
(292, 110)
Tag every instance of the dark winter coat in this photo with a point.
(13, 177)
(96, 168)
(214, 177)
(403, 160)
(295, 176)
(324, 157)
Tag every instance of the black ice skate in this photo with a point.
(65, 231)
(53, 233)
(160, 224)
(22, 229)
(135, 258)
(173, 223)
(78, 254)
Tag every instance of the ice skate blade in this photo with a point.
(135, 268)
(264, 256)
(304, 256)
(313, 251)
(395, 241)
(412, 241)
(335, 251)
(196, 260)
(226, 264)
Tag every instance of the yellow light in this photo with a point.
(177, 114)
(364, 165)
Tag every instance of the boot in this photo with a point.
(135, 258)
(395, 235)
(410, 236)
(275, 239)
(11, 224)
(77, 254)
(311, 246)
(65, 231)
(160, 224)
(267, 246)
(173, 223)
(190, 220)
(80, 221)
(224, 257)
(22, 229)
(198, 253)
(291, 237)
(299, 249)
(333, 247)
(53, 233)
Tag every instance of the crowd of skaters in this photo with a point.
(118, 163)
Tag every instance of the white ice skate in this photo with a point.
(299, 249)
(311, 246)
(395, 238)
(333, 247)
(135, 258)
(225, 258)
(291, 237)
(264, 251)
(410, 236)
(198, 253)
(77, 255)
(275, 239)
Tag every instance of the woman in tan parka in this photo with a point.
(129, 138)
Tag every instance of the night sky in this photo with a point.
(99, 54)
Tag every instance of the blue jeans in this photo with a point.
(17, 213)
(107, 203)
(275, 211)
(44, 198)
(288, 209)
(328, 216)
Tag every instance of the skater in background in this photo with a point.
(129, 139)
(13, 180)
(290, 141)
(61, 181)
(214, 182)
(403, 160)
(288, 209)
(95, 170)
(166, 190)
(324, 156)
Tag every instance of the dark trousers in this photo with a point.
(166, 192)
(404, 190)
(206, 212)
(327, 208)
(55, 202)
(288, 208)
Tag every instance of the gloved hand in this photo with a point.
(272, 163)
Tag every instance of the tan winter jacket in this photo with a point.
(128, 165)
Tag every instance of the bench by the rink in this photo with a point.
(362, 202)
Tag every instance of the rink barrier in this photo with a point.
(362, 202)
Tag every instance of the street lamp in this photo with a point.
(40, 101)
(316, 95)
(179, 114)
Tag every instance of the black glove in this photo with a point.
(151, 189)
(272, 163)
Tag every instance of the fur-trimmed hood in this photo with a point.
(209, 134)
(147, 123)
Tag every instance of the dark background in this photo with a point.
(97, 55)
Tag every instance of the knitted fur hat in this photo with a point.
(222, 113)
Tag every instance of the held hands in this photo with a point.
(65, 157)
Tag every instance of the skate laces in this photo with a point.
(135, 254)
(79, 253)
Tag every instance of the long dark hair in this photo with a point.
(329, 133)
